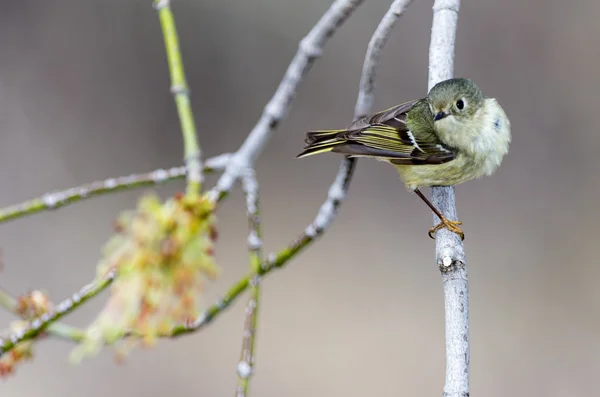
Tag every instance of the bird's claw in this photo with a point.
(448, 224)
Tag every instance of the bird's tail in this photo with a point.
(321, 142)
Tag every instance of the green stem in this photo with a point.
(54, 200)
(180, 90)
(56, 329)
(274, 262)
(67, 332)
(40, 324)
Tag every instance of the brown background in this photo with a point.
(84, 95)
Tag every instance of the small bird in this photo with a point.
(451, 136)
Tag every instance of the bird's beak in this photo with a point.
(439, 116)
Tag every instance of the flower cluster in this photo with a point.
(161, 254)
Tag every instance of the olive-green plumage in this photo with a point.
(453, 135)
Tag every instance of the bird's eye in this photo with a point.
(460, 104)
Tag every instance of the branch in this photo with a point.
(39, 324)
(310, 48)
(54, 200)
(364, 102)
(181, 93)
(245, 367)
(338, 189)
(450, 254)
(58, 330)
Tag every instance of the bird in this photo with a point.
(453, 135)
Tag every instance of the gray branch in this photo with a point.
(450, 254)
(310, 48)
(364, 103)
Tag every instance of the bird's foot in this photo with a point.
(448, 224)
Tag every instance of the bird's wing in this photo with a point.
(385, 135)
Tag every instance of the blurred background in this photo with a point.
(84, 95)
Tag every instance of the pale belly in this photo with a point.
(459, 170)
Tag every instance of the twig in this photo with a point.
(245, 367)
(180, 90)
(58, 330)
(326, 214)
(54, 200)
(309, 50)
(364, 102)
(339, 188)
(450, 254)
(39, 324)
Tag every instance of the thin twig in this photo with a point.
(58, 330)
(449, 248)
(364, 102)
(180, 90)
(339, 188)
(309, 50)
(54, 200)
(39, 324)
(245, 367)
(363, 107)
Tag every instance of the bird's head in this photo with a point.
(454, 101)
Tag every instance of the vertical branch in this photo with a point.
(246, 364)
(180, 91)
(450, 254)
(310, 48)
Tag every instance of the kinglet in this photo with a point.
(453, 135)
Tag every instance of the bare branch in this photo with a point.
(245, 367)
(54, 200)
(364, 103)
(449, 249)
(310, 48)
(363, 106)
